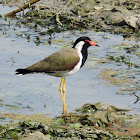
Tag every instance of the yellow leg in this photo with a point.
(61, 84)
(62, 93)
(64, 90)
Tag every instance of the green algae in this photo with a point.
(110, 76)
(34, 117)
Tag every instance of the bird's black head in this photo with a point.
(83, 42)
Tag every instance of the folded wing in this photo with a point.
(63, 60)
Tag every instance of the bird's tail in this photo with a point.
(22, 71)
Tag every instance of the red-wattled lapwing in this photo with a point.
(62, 63)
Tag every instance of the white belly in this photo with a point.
(77, 67)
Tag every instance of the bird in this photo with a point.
(62, 63)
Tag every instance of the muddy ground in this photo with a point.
(91, 121)
(114, 16)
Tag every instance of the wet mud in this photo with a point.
(119, 17)
(91, 121)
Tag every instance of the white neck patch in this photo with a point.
(79, 45)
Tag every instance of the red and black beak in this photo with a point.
(91, 43)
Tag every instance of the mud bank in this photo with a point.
(91, 121)
(119, 17)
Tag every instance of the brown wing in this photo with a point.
(63, 60)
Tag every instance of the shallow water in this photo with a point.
(38, 93)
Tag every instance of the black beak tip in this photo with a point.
(97, 45)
